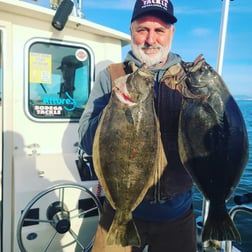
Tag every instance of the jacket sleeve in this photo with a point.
(97, 101)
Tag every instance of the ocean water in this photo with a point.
(243, 221)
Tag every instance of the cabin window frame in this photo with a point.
(52, 109)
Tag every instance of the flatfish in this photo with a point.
(213, 144)
(127, 151)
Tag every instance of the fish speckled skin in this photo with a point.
(213, 145)
(126, 148)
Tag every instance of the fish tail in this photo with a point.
(123, 231)
(219, 226)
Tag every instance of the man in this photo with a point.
(169, 224)
(68, 66)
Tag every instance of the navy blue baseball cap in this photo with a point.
(159, 8)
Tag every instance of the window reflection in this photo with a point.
(59, 80)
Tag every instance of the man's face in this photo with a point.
(151, 39)
(68, 71)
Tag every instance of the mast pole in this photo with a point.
(222, 37)
(220, 56)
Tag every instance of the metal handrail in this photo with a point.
(232, 213)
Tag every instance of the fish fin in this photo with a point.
(123, 233)
(219, 226)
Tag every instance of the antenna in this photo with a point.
(53, 4)
(79, 9)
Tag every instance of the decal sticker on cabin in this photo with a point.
(40, 68)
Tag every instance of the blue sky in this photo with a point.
(197, 31)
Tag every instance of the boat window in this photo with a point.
(58, 80)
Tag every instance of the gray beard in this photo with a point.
(150, 61)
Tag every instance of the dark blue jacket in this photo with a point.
(173, 195)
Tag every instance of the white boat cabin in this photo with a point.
(46, 75)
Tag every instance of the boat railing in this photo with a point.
(240, 201)
(246, 198)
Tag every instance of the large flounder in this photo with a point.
(127, 151)
(213, 144)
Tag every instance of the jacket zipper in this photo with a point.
(157, 196)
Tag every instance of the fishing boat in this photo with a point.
(50, 197)
(48, 201)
